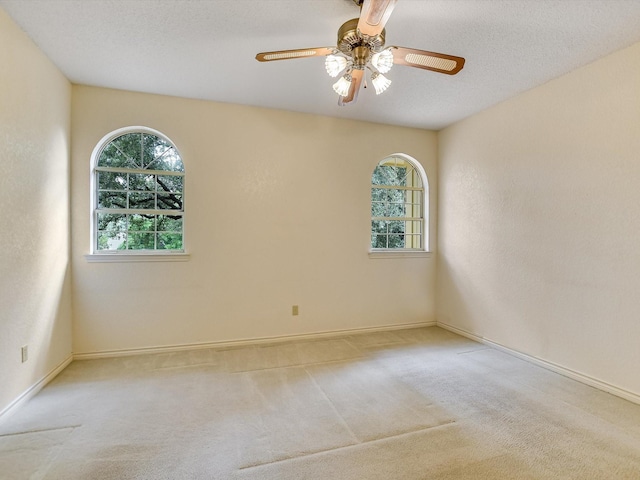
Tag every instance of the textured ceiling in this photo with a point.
(206, 49)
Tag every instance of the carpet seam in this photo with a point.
(346, 447)
(333, 406)
(299, 365)
(45, 468)
(27, 432)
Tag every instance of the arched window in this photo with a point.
(138, 193)
(399, 191)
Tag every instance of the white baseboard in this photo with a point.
(461, 332)
(35, 388)
(247, 341)
(567, 372)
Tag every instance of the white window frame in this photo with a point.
(424, 207)
(130, 255)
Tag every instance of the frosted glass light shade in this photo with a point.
(382, 61)
(341, 87)
(335, 64)
(380, 82)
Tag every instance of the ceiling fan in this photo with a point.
(360, 47)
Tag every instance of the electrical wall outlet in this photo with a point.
(25, 353)
(294, 310)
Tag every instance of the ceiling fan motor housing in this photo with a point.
(357, 46)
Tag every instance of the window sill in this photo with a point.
(399, 254)
(136, 257)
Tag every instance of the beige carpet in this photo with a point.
(410, 404)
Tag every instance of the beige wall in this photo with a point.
(34, 194)
(278, 213)
(539, 222)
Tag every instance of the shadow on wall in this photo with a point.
(38, 313)
(455, 292)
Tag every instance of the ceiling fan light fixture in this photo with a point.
(341, 87)
(335, 64)
(380, 82)
(382, 61)
(360, 47)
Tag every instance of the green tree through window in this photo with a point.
(139, 179)
(397, 197)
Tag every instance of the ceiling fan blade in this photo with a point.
(374, 16)
(289, 54)
(436, 62)
(356, 81)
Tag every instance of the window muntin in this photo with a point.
(397, 205)
(138, 194)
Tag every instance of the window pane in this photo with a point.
(113, 157)
(413, 241)
(112, 181)
(170, 241)
(111, 231)
(153, 147)
(167, 201)
(112, 200)
(413, 210)
(379, 226)
(142, 223)
(396, 210)
(378, 241)
(396, 227)
(167, 159)
(378, 199)
(142, 200)
(378, 194)
(142, 182)
(158, 154)
(395, 206)
(389, 175)
(377, 176)
(141, 241)
(111, 240)
(377, 209)
(112, 222)
(170, 183)
(169, 224)
(394, 195)
(396, 241)
(129, 145)
(404, 176)
(414, 180)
